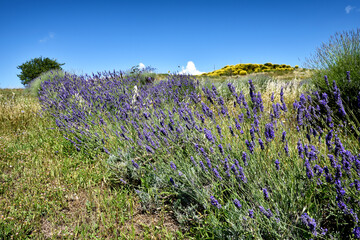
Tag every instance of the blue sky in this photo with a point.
(91, 36)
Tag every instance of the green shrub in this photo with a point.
(243, 72)
(334, 59)
(35, 67)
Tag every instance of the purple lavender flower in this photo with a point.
(348, 76)
(286, 148)
(172, 165)
(237, 203)
(328, 139)
(261, 144)
(318, 170)
(217, 173)
(267, 213)
(266, 193)
(277, 164)
(356, 232)
(272, 97)
(231, 131)
(310, 222)
(215, 202)
(251, 213)
(276, 110)
(300, 149)
(221, 149)
(149, 149)
(135, 164)
(173, 182)
(309, 172)
(193, 161)
(231, 88)
(328, 176)
(203, 152)
(269, 132)
(237, 124)
(244, 158)
(208, 162)
(283, 136)
(219, 130)
(241, 118)
(326, 80)
(203, 166)
(249, 146)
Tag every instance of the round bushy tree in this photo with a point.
(35, 67)
(339, 60)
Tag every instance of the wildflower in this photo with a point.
(309, 172)
(261, 144)
(286, 148)
(208, 135)
(221, 149)
(219, 130)
(269, 132)
(237, 124)
(237, 203)
(135, 164)
(173, 182)
(267, 213)
(266, 193)
(215, 202)
(283, 136)
(348, 76)
(203, 166)
(217, 173)
(277, 164)
(193, 161)
(172, 165)
(149, 149)
(252, 133)
(231, 131)
(326, 80)
(356, 232)
(244, 158)
(251, 213)
(231, 88)
(208, 162)
(241, 118)
(300, 149)
(250, 146)
(310, 222)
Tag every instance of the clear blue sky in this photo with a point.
(90, 36)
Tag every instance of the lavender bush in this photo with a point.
(233, 165)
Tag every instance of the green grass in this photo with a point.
(48, 190)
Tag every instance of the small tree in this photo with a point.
(35, 67)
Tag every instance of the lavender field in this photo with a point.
(232, 161)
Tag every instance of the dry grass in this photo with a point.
(50, 191)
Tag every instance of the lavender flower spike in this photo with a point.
(237, 203)
(215, 202)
